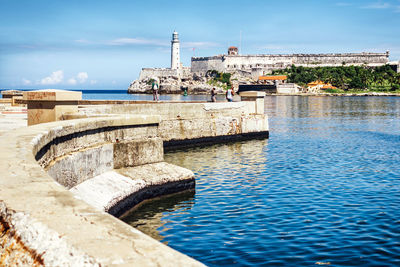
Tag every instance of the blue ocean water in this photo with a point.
(119, 94)
(123, 95)
(324, 189)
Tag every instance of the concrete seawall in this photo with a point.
(61, 181)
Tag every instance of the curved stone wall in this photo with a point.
(61, 181)
(43, 223)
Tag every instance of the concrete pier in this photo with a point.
(62, 180)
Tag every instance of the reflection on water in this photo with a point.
(325, 188)
(147, 217)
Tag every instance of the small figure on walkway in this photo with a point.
(213, 95)
(154, 87)
(229, 94)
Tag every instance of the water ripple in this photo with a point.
(323, 190)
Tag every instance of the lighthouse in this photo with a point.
(175, 54)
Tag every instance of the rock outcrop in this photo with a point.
(176, 85)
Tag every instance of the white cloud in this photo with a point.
(93, 82)
(26, 82)
(137, 41)
(343, 4)
(378, 5)
(199, 44)
(71, 81)
(55, 78)
(274, 47)
(82, 41)
(82, 77)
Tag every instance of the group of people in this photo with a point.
(229, 94)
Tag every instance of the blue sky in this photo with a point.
(104, 44)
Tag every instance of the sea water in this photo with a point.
(324, 189)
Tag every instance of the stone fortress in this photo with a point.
(244, 68)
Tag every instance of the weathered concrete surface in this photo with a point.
(51, 222)
(187, 121)
(138, 152)
(50, 104)
(76, 151)
(117, 190)
(11, 117)
(72, 136)
(75, 168)
(256, 97)
(170, 110)
(12, 251)
(11, 93)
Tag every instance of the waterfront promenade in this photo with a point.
(103, 161)
(11, 117)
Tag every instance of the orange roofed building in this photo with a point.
(276, 79)
(273, 78)
(320, 85)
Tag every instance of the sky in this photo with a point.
(104, 44)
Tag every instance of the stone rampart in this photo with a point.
(230, 63)
(199, 65)
(149, 73)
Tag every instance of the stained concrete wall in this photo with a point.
(187, 121)
(45, 224)
(49, 225)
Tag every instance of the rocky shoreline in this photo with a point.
(174, 85)
(200, 85)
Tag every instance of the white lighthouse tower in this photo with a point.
(175, 54)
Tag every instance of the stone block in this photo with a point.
(138, 152)
(50, 105)
(77, 167)
(119, 190)
(254, 123)
(11, 93)
(257, 97)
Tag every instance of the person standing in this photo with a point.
(229, 94)
(213, 95)
(154, 87)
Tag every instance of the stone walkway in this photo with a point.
(12, 118)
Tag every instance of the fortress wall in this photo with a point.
(338, 59)
(148, 73)
(202, 64)
(270, 62)
(249, 62)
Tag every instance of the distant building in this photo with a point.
(233, 51)
(320, 85)
(265, 63)
(273, 78)
(177, 71)
(175, 52)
